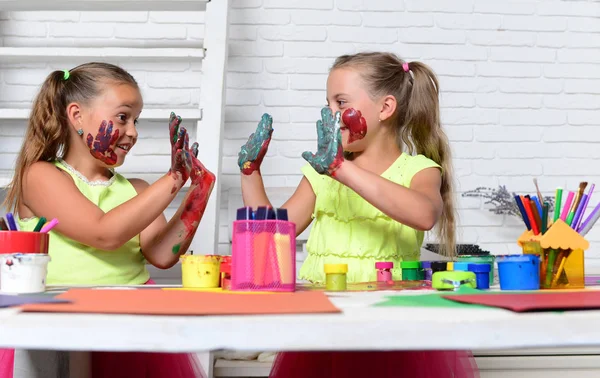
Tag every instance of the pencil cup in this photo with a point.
(562, 269)
(263, 255)
(23, 261)
(200, 271)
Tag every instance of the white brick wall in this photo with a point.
(520, 83)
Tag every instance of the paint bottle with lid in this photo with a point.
(482, 275)
(384, 270)
(410, 270)
(335, 277)
(426, 269)
(439, 266)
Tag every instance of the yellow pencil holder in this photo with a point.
(561, 251)
(200, 271)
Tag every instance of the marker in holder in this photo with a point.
(263, 251)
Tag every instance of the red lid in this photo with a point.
(384, 265)
(24, 242)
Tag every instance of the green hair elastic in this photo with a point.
(66, 74)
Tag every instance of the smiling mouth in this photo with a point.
(125, 147)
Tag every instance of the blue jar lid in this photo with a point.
(462, 266)
(479, 268)
(426, 264)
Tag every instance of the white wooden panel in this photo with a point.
(44, 54)
(103, 5)
(150, 114)
(210, 128)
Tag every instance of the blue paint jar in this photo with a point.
(461, 266)
(519, 272)
(426, 267)
(482, 275)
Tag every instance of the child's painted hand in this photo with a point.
(179, 138)
(252, 153)
(203, 181)
(101, 147)
(330, 154)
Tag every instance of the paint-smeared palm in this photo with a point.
(253, 152)
(101, 146)
(330, 154)
(203, 181)
(179, 139)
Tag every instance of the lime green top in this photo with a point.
(73, 263)
(349, 230)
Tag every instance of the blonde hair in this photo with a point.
(416, 120)
(47, 136)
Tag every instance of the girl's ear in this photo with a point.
(74, 115)
(388, 107)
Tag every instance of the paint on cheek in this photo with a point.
(356, 124)
(101, 147)
(176, 249)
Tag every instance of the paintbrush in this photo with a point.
(578, 195)
(537, 188)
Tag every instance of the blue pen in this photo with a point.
(11, 222)
(538, 204)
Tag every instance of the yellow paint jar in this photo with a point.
(200, 271)
(335, 277)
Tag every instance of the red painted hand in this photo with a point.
(101, 147)
(202, 184)
(356, 124)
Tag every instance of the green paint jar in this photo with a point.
(481, 259)
(411, 270)
(335, 277)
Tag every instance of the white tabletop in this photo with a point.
(359, 327)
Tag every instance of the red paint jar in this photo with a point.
(24, 242)
(226, 272)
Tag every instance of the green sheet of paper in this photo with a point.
(429, 300)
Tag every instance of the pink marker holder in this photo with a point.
(263, 255)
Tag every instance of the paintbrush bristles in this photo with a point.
(537, 188)
(582, 186)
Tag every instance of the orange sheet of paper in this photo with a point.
(171, 302)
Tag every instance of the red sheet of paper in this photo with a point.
(174, 302)
(540, 301)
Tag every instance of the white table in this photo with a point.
(359, 326)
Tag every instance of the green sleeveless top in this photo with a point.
(349, 230)
(73, 263)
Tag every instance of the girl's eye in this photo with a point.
(122, 117)
(341, 102)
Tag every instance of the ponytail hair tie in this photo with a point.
(66, 74)
(405, 67)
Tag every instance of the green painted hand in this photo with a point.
(330, 154)
(252, 153)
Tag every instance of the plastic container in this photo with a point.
(452, 280)
(450, 266)
(426, 268)
(461, 266)
(200, 271)
(384, 271)
(519, 272)
(562, 269)
(23, 273)
(482, 272)
(438, 266)
(336, 277)
(23, 242)
(480, 259)
(410, 270)
(263, 255)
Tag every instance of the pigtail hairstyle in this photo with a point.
(416, 121)
(48, 135)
